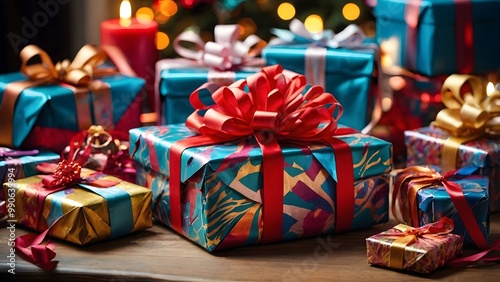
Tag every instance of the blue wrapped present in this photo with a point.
(176, 85)
(343, 69)
(22, 164)
(47, 112)
(440, 37)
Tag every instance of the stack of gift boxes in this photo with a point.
(264, 143)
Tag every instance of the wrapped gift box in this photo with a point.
(348, 75)
(425, 146)
(222, 206)
(24, 166)
(83, 214)
(440, 37)
(435, 203)
(424, 255)
(176, 85)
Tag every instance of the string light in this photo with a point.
(144, 15)
(286, 11)
(162, 40)
(314, 23)
(351, 11)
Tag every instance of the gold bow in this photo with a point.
(466, 116)
(79, 72)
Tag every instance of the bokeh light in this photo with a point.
(314, 23)
(168, 8)
(286, 11)
(351, 11)
(162, 40)
(248, 25)
(144, 15)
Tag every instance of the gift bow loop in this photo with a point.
(274, 104)
(226, 53)
(79, 72)
(351, 36)
(471, 115)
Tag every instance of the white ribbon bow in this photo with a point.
(350, 37)
(226, 53)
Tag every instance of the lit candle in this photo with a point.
(136, 39)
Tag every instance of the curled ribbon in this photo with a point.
(409, 235)
(269, 106)
(226, 53)
(410, 180)
(78, 73)
(468, 116)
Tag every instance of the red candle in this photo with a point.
(137, 40)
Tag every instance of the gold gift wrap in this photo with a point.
(81, 214)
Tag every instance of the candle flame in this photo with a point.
(125, 13)
(490, 88)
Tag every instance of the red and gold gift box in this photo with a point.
(81, 213)
(421, 250)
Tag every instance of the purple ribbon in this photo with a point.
(9, 153)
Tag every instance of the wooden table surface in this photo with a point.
(159, 254)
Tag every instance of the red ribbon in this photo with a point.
(464, 34)
(272, 110)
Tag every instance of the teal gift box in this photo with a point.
(222, 186)
(440, 37)
(47, 104)
(348, 76)
(177, 83)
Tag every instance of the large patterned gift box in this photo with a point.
(95, 208)
(222, 204)
(45, 104)
(223, 61)
(421, 250)
(440, 37)
(343, 67)
(424, 196)
(267, 162)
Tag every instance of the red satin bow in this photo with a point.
(269, 106)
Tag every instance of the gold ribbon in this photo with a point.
(76, 74)
(467, 116)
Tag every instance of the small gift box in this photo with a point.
(224, 61)
(462, 135)
(44, 105)
(89, 208)
(440, 37)
(421, 250)
(421, 196)
(263, 166)
(340, 63)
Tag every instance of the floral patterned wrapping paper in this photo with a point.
(423, 256)
(83, 215)
(221, 205)
(424, 146)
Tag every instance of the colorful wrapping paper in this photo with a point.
(435, 203)
(424, 147)
(422, 256)
(440, 37)
(176, 85)
(83, 214)
(348, 75)
(222, 204)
